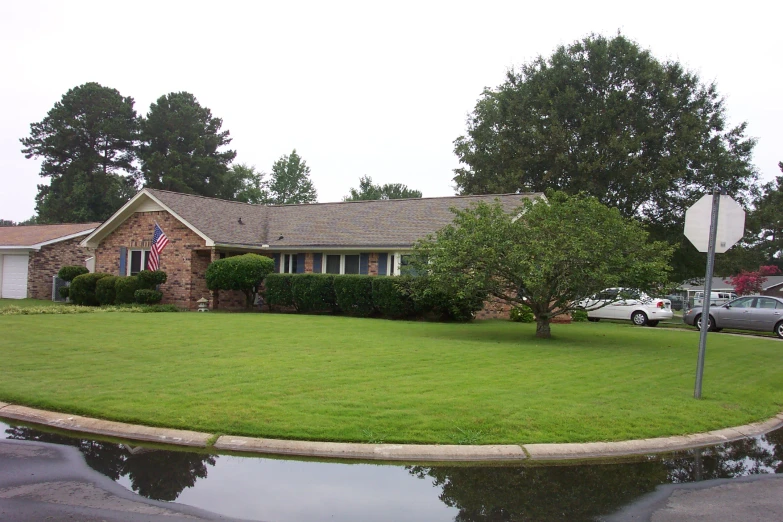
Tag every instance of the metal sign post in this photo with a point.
(705, 310)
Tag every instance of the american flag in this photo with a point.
(159, 242)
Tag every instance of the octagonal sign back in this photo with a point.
(731, 224)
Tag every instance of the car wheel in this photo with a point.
(639, 318)
(779, 329)
(593, 319)
(652, 323)
(710, 324)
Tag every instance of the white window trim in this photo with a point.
(397, 256)
(144, 257)
(342, 261)
(290, 263)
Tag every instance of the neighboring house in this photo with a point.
(360, 237)
(31, 255)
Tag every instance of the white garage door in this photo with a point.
(14, 277)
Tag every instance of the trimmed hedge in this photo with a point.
(389, 300)
(244, 273)
(69, 273)
(64, 291)
(105, 290)
(579, 316)
(148, 296)
(150, 279)
(125, 289)
(353, 294)
(83, 289)
(314, 293)
(278, 290)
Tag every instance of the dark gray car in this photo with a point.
(752, 312)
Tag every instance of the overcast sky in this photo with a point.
(373, 88)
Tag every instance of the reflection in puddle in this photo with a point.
(272, 489)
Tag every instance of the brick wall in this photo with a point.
(45, 264)
(181, 289)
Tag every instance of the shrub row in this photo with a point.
(365, 296)
(105, 289)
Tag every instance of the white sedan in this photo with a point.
(620, 303)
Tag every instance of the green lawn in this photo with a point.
(334, 378)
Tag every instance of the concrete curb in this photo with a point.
(103, 427)
(348, 450)
(389, 452)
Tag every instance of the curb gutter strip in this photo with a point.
(388, 452)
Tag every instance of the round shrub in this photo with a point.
(278, 290)
(83, 289)
(389, 300)
(578, 316)
(353, 294)
(522, 314)
(64, 291)
(244, 273)
(69, 273)
(104, 290)
(314, 293)
(125, 289)
(148, 296)
(150, 279)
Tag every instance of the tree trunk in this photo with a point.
(542, 328)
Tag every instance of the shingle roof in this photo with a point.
(384, 223)
(29, 235)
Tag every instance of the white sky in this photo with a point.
(357, 88)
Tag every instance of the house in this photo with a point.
(31, 255)
(361, 237)
(773, 286)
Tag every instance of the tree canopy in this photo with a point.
(290, 181)
(605, 117)
(368, 191)
(181, 146)
(87, 142)
(548, 254)
(244, 183)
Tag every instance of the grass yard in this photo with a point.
(27, 303)
(366, 380)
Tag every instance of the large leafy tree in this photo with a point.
(290, 181)
(767, 220)
(88, 143)
(244, 183)
(368, 191)
(548, 254)
(605, 117)
(182, 146)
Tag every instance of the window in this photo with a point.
(765, 302)
(392, 257)
(333, 264)
(137, 260)
(289, 264)
(341, 264)
(746, 302)
(351, 264)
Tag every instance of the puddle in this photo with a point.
(261, 488)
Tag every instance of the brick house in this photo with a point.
(362, 237)
(31, 255)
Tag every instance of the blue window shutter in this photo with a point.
(123, 261)
(364, 263)
(317, 263)
(300, 260)
(382, 261)
(277, 262)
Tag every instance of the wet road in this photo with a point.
(46, 475)
(40, 481)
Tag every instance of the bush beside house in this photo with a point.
(83, 289)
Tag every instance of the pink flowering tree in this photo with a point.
(746, 283)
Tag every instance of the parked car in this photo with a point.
(628, 304)
(753, 312)
(716, 298)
